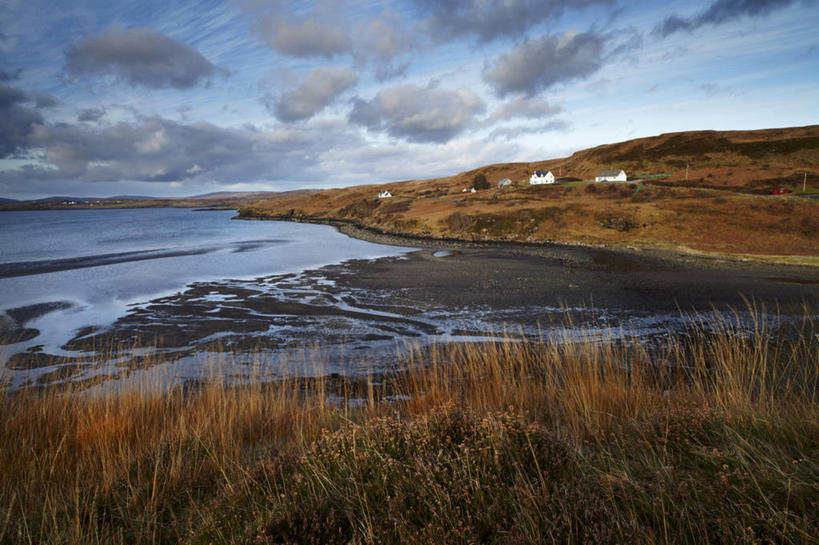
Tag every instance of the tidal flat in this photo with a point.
(362, 316)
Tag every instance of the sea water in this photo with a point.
(75, 268)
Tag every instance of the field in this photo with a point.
(722, 205)
(712, 437)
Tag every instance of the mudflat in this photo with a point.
(358, 312)
(509, 274)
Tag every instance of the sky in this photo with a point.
(171, 98)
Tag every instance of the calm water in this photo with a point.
(92, 264)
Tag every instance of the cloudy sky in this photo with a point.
(165, 97)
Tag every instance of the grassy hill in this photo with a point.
(724, 206)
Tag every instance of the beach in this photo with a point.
(356, 316)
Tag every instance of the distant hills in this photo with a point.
(222, 199)
(214, 196)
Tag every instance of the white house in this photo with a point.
(383, 194)
(542, 177)
(611, 176)
(504, 182)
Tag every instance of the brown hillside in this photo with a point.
(724, 207)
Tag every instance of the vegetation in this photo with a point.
(480, 182)
(712, 437)
(717, 199)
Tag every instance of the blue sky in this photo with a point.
(174, 98)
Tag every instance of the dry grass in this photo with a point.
(723, 206)
(711, 438)
(705, 220)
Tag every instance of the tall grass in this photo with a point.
(711, 437)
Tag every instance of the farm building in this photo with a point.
(542, 177)
(504, 182)
(383, 194)
(611, 176)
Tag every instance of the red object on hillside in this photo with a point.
(780, 191)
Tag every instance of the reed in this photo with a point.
(707, 437)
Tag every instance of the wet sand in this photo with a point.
(356, 314)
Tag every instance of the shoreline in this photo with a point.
(354, 229)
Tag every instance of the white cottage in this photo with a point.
(504, 182)
(542, 177)
(383, 194)
(611, 176)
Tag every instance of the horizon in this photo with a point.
(174, 100)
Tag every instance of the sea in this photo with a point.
(61, 270)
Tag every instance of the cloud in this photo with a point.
(524, 107)
(308, 38)
(140, 56)
(91, 114)
(490, 20)
(320, 87)
(418, 114)
(10, 76)
(380, 41)
(164, 151)
(302, 37)
(44, 100)
(327, 31)
(540, 63)
(722, 11)
(17, 121)
(9, 96)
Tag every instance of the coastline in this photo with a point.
(681, 255)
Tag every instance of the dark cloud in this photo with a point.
(492, 19)
(320, 87)
(17, 121)
(10, 76)
(91, 114)
(44, 100)
(540, 63)
(160, 150)
(418, 114)
(140, 56)
(304, 38)
(722, 11)
(9, 96)
(524, 107)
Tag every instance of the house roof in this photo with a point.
(609, 172)
(542, 172)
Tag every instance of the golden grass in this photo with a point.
(709, 221)
(520, 441)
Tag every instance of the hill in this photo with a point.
(721, 203)
(224, 199)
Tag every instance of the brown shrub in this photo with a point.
(459, 221)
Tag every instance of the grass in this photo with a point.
(712, 437)
(712, 221)
(722, 207)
